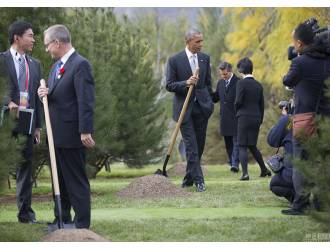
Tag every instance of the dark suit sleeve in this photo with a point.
(278, 132)
(215, 95)
(172, 85)
(261, 105)
(38, 102)
(292, 78)
(239, 96)
(84, 87)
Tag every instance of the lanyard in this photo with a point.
(26, 76)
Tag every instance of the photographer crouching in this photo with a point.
(306, 76)
(280, 135)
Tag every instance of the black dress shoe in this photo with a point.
(292, 211)
(234, 169)
(265, 173)
(186, 184)
(245, 177)
(29, 221)
(200, 187)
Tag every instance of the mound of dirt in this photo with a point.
(151, 186)
(179, 169)
(73, 235)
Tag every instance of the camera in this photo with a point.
(321, 40)
(287, 105)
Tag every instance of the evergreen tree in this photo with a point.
(128, 119)
(10, 148)
(317, 168)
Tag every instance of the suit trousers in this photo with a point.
(301, 198)
(24, 183)
(243, 158)
(282, 188)
(193, 131)
(74, 186)
(232, 150)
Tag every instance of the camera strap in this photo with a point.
(278, 149)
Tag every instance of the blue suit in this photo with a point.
(71, 106)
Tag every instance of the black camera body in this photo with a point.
(287, 105)
(321, 40)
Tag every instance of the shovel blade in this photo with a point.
(54, 226)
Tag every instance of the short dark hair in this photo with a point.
(245, 66)
(17, 28)
(225, 66)
(304, 33)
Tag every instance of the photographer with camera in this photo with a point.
(306, 76)
(281, 136)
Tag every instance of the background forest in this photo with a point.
(129, 47)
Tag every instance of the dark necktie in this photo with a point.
(227, 83)
(21, 74)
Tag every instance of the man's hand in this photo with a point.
(284, 111)
(12, 106)
(192, 81)
(87, 140)
(42, 91)
(37, 135)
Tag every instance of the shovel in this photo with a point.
(177, 127)
(56, 188)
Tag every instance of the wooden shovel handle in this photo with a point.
(50, 142)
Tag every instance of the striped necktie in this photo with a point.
(21, 73)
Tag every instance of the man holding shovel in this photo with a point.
(179, 77)
(71, 106)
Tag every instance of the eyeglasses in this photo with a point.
(47, 44)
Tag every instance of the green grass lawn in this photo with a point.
(229, 210)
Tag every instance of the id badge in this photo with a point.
(23, 99)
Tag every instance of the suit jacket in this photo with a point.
(71, 102)
(249, 98)
(13, 88)
(306, 75)
(226, 96)
(178, 72)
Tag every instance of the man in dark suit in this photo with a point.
(71, 106)
(226, 93)
(179, 76)
(23, 76)
(249, 106)
(306, 76)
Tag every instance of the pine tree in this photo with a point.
(317, 168)
(128, 119)
(10, 148)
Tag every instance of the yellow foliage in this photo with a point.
(264, 34)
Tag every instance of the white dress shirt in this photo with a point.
(16, 56)
(248, 75)
(65, 58)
